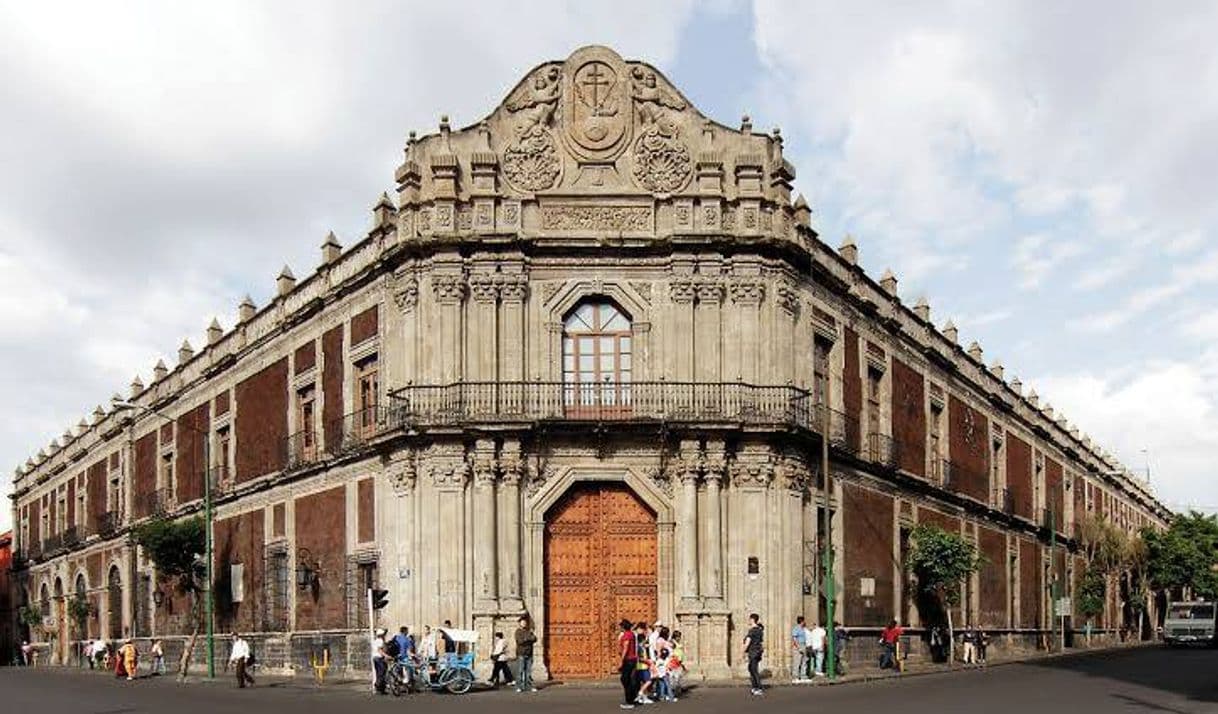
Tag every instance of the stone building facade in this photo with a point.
(579, 369)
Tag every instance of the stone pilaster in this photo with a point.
(513, 470)
(687, 517)
(712, 573)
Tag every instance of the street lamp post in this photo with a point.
(208, 600)
(830, 595)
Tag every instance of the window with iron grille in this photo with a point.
(278, 584)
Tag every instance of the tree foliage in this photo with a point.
(175, 548)
(941, 561)
(30, 616)
(1184, 555)
(1092, 588)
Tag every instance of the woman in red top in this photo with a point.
(627, 647)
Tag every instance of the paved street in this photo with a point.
(1145, 680)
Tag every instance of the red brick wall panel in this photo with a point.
(332, 384)
(143, 478)
(240, 540)
(364, 325)
(868, 518)
(321, 528)
(1055, 497)
(367, 511)
(909, 417)
(306, 357)
(852, 387)
(189, 452)
(1029, 584)
(992, 578)
(222, 403)
(1019, 475)
(969, 449)
(95, 493)
(262, 421)
(71, 504)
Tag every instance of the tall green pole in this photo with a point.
(830, 596)
(211, 635)
(1053, 586)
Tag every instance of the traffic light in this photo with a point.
(380, 598)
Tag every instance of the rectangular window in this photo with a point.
(223, 457)
(367, 390)
(167, 473)
(936, 441)
(822, 352)
(61, 512)
(874, 380)
(305, 445)
(278, 582)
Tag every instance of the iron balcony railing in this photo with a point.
(337, 437)
(951, 475)
(301, 449)
(1003, 501)
(158, 502)
(70, 536)
(107, 524)
(882, 450)
(52, 543)
(480, 402)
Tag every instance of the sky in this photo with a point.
(1042, 173)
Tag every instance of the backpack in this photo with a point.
(392, 648)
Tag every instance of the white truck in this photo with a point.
(1189, 623)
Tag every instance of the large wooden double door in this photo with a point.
(600, 555)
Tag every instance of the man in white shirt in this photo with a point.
(379, 666)
(816, 642)
(240, 657)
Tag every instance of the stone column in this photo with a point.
(481, 334)
(449, 291)
(712, 583)
(707, 367)
(512, 293)
(511, 600)
(487, 581)
(689, 531)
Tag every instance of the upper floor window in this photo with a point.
(822, 350)
(367, 389)
(874, 383)
(596, 356)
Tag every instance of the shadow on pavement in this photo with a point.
(1188, 672)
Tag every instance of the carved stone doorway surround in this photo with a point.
(548, 495)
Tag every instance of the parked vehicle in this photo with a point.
(1191, 623)
(453, 671)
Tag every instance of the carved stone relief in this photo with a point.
(580, 217)
(406, 297)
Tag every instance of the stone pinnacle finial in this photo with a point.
(951, 332)
(1017, 386)
(186, 352)
(99, 414)
(286, 282)
(81, 427)
(997, 369)
(160, 371)
(803, 213)
(330, 249)
(922, 309)
(214, 331)
(1032, 398)
(888, 282)
(383, 211)
(849, 250)
(1048, 412)
(246, 310)
(974, 351)
(746, 124)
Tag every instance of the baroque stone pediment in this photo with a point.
(593, 145)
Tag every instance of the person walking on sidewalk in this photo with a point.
(840, 637)
(983, 641)
(380, 665)
(628, 650)
(816, 641)
(499, 661)
(888, 645)
(799, 642)
(968, 638)
(240, 657)
(525, 638)
(754, 646)
(158, 658)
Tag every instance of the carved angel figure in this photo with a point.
(652, 99)
(535, 102)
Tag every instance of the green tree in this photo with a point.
(176, 548)
(79, 609)
(1184, 555)
(942, 561)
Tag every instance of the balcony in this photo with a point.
(107, 524)
(464, 403)
(157, 502)
(71, 537)
(1003, 501)
(301, 450)
(52, 544)
(882, 450)
(354, 431)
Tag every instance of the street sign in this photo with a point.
(1062, 607)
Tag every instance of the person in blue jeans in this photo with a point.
(799, 641)
(525, 638)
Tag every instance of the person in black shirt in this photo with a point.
(754, 645)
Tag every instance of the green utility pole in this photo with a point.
(1055, 583)
(830, 596)
(211, 634)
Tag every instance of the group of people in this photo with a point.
(122, 657)
(652, 663)
(432, 648)
(974, 642)
(810, 645)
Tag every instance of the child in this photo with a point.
(676, 666)
(660, 676)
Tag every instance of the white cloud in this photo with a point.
(1037, 255)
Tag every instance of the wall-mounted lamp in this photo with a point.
(308, 570)
(158, 597)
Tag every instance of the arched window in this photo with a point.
(596, 357)
(114, 602)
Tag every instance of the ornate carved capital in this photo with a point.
(715, 471)
(747, 292)
(793, 473)
(484, 473)
(406, 297)
(682, 290)
(482, 288)
(688, 471)
(710, 291)
(660, 477)
(754, 473)
(448, 289)
(514, 471)
(788, 299)
(403, 474)
(450, 474)
(514, 287)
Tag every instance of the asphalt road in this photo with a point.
(1143, 680)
